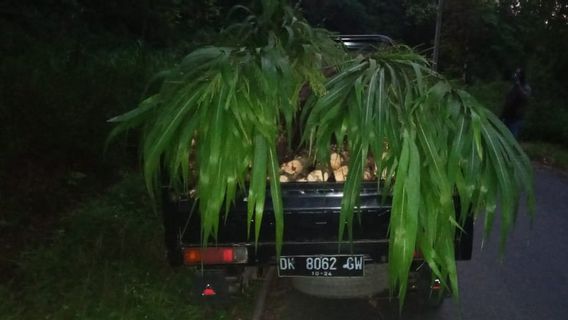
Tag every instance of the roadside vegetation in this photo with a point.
(545, 134)
(105, 260)
(547, 154)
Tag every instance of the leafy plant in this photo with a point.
(231, 99)
(104, 262)
(438, 144)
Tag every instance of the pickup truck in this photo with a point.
(311, 255)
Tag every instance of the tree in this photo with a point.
(437, 34)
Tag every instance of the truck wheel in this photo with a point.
(374, 281)
(435, 300)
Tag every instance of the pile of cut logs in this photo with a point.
(300, 169)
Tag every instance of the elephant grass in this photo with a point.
(438, 144)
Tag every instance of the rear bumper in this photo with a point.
(374, 251)
(265, 253)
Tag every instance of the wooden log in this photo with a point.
(317, 176)
(345, 157)
(295, 168)
(335, 161)
(341, 173)
(368, 175)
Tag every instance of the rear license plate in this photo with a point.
(321, 266)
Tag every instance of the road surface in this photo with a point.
(530, 282)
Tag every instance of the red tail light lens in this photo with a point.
(217, 255)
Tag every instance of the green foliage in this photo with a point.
(411, 21)
(546, 115)
(53, 111)
(547, 111)
(547, 154)
(160, 23)
(231, 100)
(105, 261)
(546, 121)
(490, 94)
(477, 41)
(65, 75)
(440, 145)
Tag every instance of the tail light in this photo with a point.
(216, 255)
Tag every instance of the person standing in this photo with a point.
(515, 103)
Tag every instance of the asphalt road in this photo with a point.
(530, 282)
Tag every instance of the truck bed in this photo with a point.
(311, 222)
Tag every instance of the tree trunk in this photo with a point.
(437, 35)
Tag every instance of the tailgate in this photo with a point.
(311, 214)
(311, 222)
